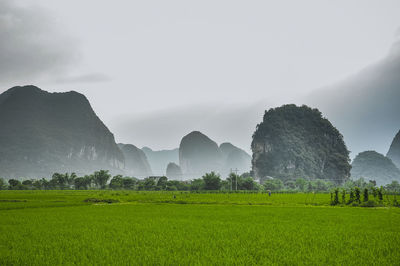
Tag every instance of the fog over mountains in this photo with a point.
(364, 107)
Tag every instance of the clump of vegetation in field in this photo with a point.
(95, 200)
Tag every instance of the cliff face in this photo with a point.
(136, 163)
(234, 158)
(42, 133)
(159, 160)
(294, 142)
(371, 165)
(174, 171)
(198, 155)
(394, 150)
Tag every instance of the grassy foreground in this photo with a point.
(63, 227)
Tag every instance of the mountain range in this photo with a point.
(43, 133)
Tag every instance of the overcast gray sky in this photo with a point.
(145, 65)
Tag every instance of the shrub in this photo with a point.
(357, 194)
(335, 200)
(380, 194)
(365, 194)
(343, 196)
(352, 196)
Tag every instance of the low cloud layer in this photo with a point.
(365, 107)
(32, 46)
(165, 128)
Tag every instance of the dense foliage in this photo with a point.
(297, 142)
(210, 181)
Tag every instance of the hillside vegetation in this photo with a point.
(293, 142)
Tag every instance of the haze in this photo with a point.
(156, 70)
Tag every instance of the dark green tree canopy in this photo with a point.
(297, 142)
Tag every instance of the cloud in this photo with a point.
(32, 44)
(88, 78)
(165, 128)
(365, 107)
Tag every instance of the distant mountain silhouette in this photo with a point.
(394, 150)
(198, 154)
(159, 160)
(371, 165)
(42, 133)
(234, 158)
(174, 171)
(136, 163)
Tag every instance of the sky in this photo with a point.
(156, 70)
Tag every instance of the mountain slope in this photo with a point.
(234, 158)
(159, 160)
(136, 163)
(394, 150)
(371, 165)
(293, 142)
(43, 133)
(198, 154)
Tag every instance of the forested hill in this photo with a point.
(293, 142)
(371, 165)
(42, 133)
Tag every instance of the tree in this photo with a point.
(352, 196)
(247, 184)
(301, 184)
(15, 184)
(394, 186)
(380, 194)
(212, 181)
(101, 177)
(70, 179)
(290, 184)
(3, 184)
(80, 183)
(117, 182)
(149, 183)
(273, 184)
(27, 184)
(37, 184)
(357, 194)
(365, 194)
(336, 197)
(162, 183)
(343, 196)
(197, 184)
(129, 183)
(60, 180)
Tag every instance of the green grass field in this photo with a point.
(60, 227)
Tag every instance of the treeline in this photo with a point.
(210, 181)
(103, 180)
